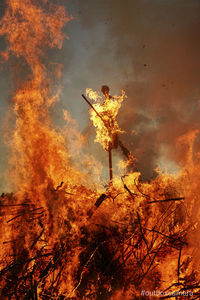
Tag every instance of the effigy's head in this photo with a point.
(105, 90)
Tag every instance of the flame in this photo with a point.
(39, 152)
(108, 110)
(40, 161)
(57, 242)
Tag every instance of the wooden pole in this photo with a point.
(88, 102)
(110, 163)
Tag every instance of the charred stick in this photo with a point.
(170, 213)
(157, 200)
(37, 239)
(38, 257)
(167, 200)
(27, 212)
(38, 213)
(57, 279)
(147, 196)
(122, 254)
(153, 230)
(153, 239)
(13, 265)
(32, 293)
(130, 193)
(46, 270)
(138, 242)
(179, 260)
(128, 190)
(7, 269)
(69, 193)
(85, 266)
(163, 215)
(191, 287)
(59, 186)
(116, 196)
(35, 290)
(100, 200)
(142, 233)
(167, 236)
(138, 262)
(13, 241)
(151, 263)
(125, 255)
(15, 217)
(126, 152)
(150, 251)
(128, 255)
(41, 255)
(56, 256)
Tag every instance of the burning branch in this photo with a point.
(107, 134)
(56, 238)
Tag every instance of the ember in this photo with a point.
(65, 236)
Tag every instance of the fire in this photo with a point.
(40, 162)
(108, 110)
(65, 236)
(39, 154)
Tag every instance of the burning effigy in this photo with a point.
(65, 236)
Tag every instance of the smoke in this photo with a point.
(150, 49)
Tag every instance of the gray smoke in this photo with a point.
(150, 49)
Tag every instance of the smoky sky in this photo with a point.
(149, 48)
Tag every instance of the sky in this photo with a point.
(149, 48)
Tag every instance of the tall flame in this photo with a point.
(39, 153)
(61, 242)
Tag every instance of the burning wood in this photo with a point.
(60, 239)
(107, 134)
(123, 254)
(100, 200)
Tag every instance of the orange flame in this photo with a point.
(39, 152)
(108, 109)
(134, 216)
